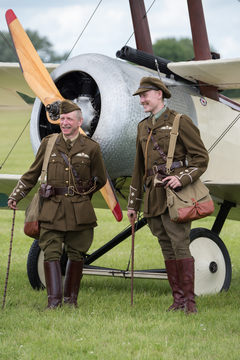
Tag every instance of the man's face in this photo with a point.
(151, 101)
(70, 123)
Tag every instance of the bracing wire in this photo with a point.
(83, 30)
(224, 133)
(14, 144)
(143, 17)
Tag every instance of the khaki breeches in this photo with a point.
(76, 243)
(173, 237)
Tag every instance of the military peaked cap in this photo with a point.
(152, 83)
(68, 106)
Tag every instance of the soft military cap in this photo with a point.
(152, 83)
(68, 106)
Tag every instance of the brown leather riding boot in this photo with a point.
(53, 279)
(73, 278)
(186, 273)
(173, 278)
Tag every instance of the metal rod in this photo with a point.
(132, 262)
(114, 242)
(221, 216)
(200, 41)
(140, 25)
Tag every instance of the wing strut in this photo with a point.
(200, 42)
(140, 24)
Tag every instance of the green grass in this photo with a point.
(12, 122)
(105, 326)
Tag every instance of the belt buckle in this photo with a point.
(70, 191)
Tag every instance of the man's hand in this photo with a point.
(132, 215)
(12, 204)
(172, 182)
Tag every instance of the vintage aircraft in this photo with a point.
(103, 88)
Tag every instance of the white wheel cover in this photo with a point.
(40, 268)
(204, 250)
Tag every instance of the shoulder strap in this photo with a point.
(48, 151)
(65, 158)
(172, 142)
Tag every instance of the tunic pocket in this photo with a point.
(49, 210)
(83, 209)
(82, 166)
(56, 169)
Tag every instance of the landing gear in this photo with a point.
(213, 271)
(212, 263)
(35, 267)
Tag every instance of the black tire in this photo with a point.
(32, 266)
(213, 270)
(35, 266)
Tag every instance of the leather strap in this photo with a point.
(68, 191)
(162, 167)
(65, 158)
(50, 144)
(157, 147)
(172, 142)
(145, 154)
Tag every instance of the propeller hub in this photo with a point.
(53, 110)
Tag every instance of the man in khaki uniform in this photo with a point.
(190, 161)
(75, 171)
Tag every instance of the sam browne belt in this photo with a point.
(161, 168)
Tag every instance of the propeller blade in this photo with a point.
(34, 71)
(41, 83)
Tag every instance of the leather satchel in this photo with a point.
(31, 224)
(191, 202)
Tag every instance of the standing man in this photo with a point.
(190, 161)
(75, 171)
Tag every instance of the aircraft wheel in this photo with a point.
(35, 269)
(34, 265)
(213, 271)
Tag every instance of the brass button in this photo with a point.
(66, 181)
(66, 194)
(66, 169)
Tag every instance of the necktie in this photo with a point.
(153, 120)
(69, 144)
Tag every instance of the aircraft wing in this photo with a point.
(221, 73)
(229, 191)
(7, 184)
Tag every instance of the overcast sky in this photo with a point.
(110, 28)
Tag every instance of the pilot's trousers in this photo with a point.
(173, 237)
(76, 243)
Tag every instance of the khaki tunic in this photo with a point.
(189, 149)
(60, 212)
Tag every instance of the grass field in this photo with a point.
(105, 326)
